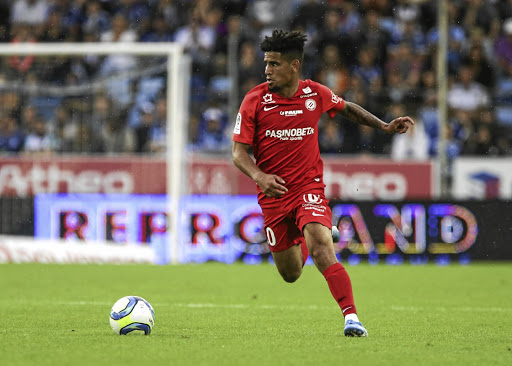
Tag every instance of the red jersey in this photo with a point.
(284, 133)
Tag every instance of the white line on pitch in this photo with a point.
(256, 306)
(449, 308)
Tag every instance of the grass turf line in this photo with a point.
(215, 314)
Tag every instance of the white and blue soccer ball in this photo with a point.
(132, 314)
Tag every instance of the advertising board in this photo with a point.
(349, 179)
(482, 178)
(230, 228)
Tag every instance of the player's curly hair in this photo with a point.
(289, 44)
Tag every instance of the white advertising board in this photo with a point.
(15, 249)
(482, 178)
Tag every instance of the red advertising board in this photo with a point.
(351, 179)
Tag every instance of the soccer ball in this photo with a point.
(132, 314)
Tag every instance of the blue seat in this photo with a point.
(503, 114)
(503, 91)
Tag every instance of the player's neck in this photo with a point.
(289, 91)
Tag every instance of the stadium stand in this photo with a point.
(377, 53)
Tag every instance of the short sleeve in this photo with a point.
(331, 103)
(244, 125)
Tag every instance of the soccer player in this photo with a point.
(279, 119)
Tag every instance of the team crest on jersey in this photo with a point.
(310, 104)
(267, 98)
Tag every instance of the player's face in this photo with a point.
(280, 73)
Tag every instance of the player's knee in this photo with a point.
(291, 276)
(319, 251)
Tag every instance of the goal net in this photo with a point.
(84, 111)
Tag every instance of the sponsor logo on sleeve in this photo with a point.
(238, 124)
(335, 98)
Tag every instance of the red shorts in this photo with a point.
(283, 225)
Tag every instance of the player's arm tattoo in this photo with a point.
(360, 115)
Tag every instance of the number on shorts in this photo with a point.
(271, 238)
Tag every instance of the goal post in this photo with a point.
(177, 97)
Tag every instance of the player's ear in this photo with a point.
(295, 65)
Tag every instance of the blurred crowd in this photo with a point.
(381, 54)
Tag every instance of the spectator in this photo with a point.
(483, 138)
(71, 17)
(482, 69)
(197, 39)
(413, 145)
(467, 94)
(11, 137)
(410, 34)
(503, 49)
(266, 15)
(236, 31)
(11, 104)
(406, 11)
(120, 32)
(54, 30)
(85, 141)
(151, 134)
(404, 62)
(350, 20)
(31, 12)
(213, 137)
(159, 31)
(333, 72)
(330, 140)
(21, 63)
(456, 38)
(309, 15)
(102, 111)
(481, 14)
(248, 68)
(63, 129)
(28, 117)
(135, 12)
(96, 20)
(372, 142)
(39, 140)
(375, 37)
(170, 11)
(330, 34)
(117, 137)
(481, 142)
(366, 68)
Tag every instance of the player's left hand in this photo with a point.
(399, 125)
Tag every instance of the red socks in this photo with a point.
(341, 289)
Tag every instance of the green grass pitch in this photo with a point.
(215, 314)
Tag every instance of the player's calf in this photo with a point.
(290, 277)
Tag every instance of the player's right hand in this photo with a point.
(272, 185)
